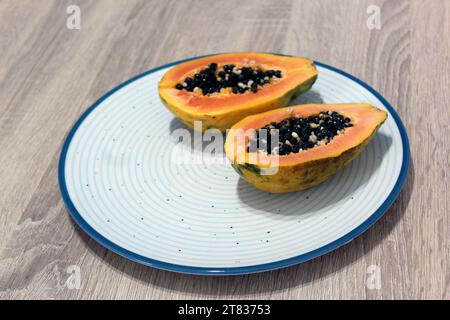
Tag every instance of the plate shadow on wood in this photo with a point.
(270, 281)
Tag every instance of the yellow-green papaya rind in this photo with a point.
(299, 171)
(226, 121)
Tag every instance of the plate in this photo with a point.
(134, 185)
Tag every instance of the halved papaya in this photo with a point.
(220, 90)
(308, 143)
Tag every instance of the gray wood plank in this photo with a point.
(50, 74)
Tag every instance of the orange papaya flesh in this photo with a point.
(223, 109)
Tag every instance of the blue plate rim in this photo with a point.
(76, 216)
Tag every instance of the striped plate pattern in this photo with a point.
(140, 190)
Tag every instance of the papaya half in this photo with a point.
(305, 144)
(219, 90)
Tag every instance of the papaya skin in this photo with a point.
(297, 174)
(223, 110)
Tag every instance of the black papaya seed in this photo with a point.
(240, 79)
(298, 134)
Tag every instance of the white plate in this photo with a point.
(122, 183)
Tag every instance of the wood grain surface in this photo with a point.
(50, 74)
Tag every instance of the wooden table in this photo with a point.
(50, 74)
